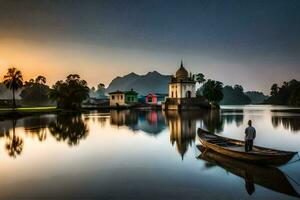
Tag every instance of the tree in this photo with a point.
(40, 80)
(200, 78)
(239, 88)
(35, 92)
(13, 80)
(274, 89)
(234, 96)
(212, 90)
(101, 86)
(70, 93)
(287, 94)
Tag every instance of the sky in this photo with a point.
(252, 43)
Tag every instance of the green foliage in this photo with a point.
(287, 94)
(69, 94)
(274, 89)
(13, 80)
(212, 90)
(234, 96)
(200, 78)
(35, 93)
(256, 97)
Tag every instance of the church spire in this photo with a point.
(181, 64)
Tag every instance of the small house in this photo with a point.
(120, 98)
(131, 97)
(117, 98)
(155, 99)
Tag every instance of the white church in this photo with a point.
(182, 92)
(182, 85)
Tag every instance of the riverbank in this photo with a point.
(9, 113)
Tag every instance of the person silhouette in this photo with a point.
(250, 134)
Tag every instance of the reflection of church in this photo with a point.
(182, 130)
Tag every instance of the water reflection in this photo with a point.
(37, 126)
(150, 122)
(236, 117)
(268, 177)
(14, 143)
(212, 120)
(182, 127)
(154, 143)
(288, 122)
(69, 128)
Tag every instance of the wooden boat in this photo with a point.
(266, 176)
(236, 149)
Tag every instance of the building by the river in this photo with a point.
(120, 98)
(182, 92)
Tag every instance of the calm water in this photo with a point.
(144, 155)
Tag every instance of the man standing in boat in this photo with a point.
(250, 136)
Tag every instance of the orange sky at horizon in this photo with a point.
(48, 61)
(55, 60)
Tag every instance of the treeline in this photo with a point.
(235, 95)
(68, 94)
(286, 94)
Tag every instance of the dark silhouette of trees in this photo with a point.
(13, 80)
(274, 89)
(212, 90)
(69, 94)
(200, 78)
(234, 96)
(36, 91)
(256, 97)
(40, 80)
(287, 94)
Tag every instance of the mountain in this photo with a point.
(256, 97)
(143, 84)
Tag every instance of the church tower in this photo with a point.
(182, 85)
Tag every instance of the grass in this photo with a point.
(30, 109)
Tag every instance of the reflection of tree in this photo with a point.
(70, 128)
(14, 144)
(290, 123)
(229, 118)
(182, 129)
(102, 121)
(36, 126)
(212, 121)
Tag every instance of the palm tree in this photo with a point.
(40, 80)
(200, 78)
(13, 80)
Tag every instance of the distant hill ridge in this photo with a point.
(143, 84)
